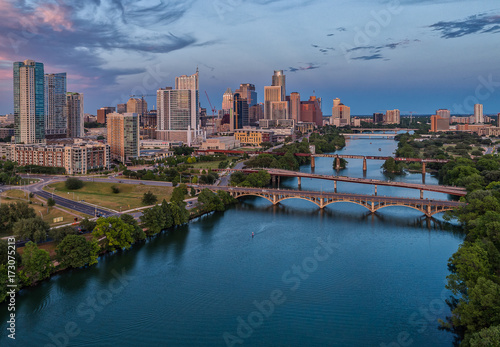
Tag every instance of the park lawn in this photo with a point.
(14, 195)
(207, 164)
(99, 193)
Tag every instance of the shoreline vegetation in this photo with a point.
(474, 278)
(108, 235)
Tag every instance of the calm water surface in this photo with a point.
(380, 277)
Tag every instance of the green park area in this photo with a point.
(48, 215)
(111, 195)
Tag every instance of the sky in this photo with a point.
(413, 55)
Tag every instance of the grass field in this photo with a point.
(207, 165)
(14, 195)
(100, 194)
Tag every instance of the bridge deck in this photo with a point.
(425, 187)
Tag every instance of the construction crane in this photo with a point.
(213, 108)
(142, 104)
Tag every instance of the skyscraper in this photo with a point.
(271, 94)
(56, 124)
(247, 91)
(443, 113)
(311, 111)
(178, 114)
(136, 105)
(478, 114)
(295, 106)
(392, 117)
(227, 100)
(239, 116)
(103, 112)
(341, 112)
(123, 136)
(74, 111)
(29, 103)
(279, 81)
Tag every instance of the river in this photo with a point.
(334, 277)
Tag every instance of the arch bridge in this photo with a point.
(323, 199)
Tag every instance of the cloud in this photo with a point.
(80, 36)
(369, 57)
(309, 66)
(477, 24)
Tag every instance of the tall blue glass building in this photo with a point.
(29, 103)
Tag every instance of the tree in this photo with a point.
(36, 264)
(154, 219)
(34, 229)
(4, 254)
(11, 213)
(115, 232)
(115, 189)
(73, 183)
(391, 166)
(486, 337)
(50, 203)
(58, 234)
(179, 193)
(138, 233)
(87, 225)
(75, 251)
(210, 201)
(149, 198)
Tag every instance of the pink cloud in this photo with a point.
(55, 16)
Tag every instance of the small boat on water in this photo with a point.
(380, 149)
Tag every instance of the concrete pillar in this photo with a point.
(337, 163)
(423, 167)
(273, 180)
(428, 213)
(279, 182)
(313, 164)
(335, 186)
(299, 181)
(364, 164)
(421, 193)
(375, 190)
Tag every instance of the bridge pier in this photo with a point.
(299, 181)
(423, 167)
(337, 163)
(273, 180)
(364, 164)
(335, 186)
(421, 194)
(428, 211)
(375, 190)
(313, 163)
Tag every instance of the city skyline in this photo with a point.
(410, 55)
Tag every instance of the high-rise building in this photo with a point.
(392, 117)
(239, 116)
(255, 113)
(310, 111)
(74, 111)
(478, 114)
(341, 112)
(279, 80)
(279, 110)
(103, 112)
(271, 94)
(56, 123)
(247, 91)
(29, 102)
(295, 106)
(185, 82)
(123, 136)
(378, 117)
(177, 109)
(227, 100)
(121, 108)
(443, 113)
(439, 123)
(136, 105)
